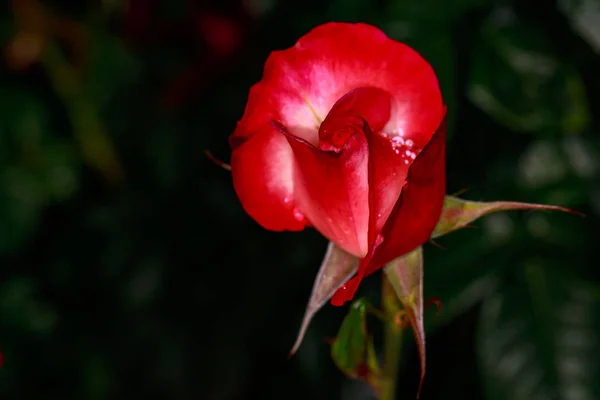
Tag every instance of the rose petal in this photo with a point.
(301, 84)
(418, 210)
(369, 103)
(413, 217)
(387, 165)
(332, 190)
(262, 172)
(299, 87)
(388, 172)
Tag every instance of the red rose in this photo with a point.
(345, 132)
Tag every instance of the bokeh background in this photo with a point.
(128, 269)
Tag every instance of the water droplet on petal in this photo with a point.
(398, 140)
(405, 148)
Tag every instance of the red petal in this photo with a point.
(388, 164)
(335, 58)
(369, 103)
(332, 190)
(418, 210)
(348, 196)
(413, 217)
(262, 171)
(301, 84)
(388, 174)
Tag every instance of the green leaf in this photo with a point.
(458, 213)
(337, 267)
(353, 350)
(406, 277)
(538, 338)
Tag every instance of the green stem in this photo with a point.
(392, 342)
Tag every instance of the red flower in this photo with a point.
(345, 133)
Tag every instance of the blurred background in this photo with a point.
(130, 271)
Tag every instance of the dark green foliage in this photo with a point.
(128, 268)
